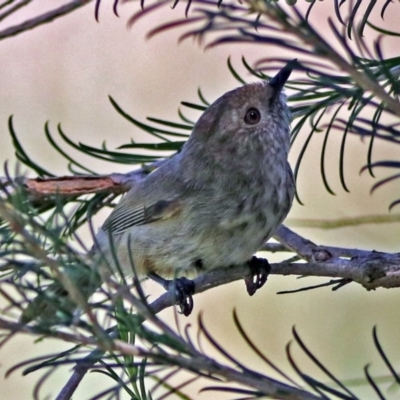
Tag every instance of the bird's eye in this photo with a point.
(252, 116)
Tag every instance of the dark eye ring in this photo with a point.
(252, 116)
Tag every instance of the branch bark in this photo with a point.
(41, 188)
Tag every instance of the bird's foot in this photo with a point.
(259, 271)
(183, 290)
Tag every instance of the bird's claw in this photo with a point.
(184, 290)
(259, 271)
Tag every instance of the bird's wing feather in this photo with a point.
(127, 215)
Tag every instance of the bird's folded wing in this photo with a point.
(126, 216)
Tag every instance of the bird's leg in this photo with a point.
(259, 271)
(183, 289)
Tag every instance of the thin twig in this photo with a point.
(13, 9)
(43, 18)
(67, 186)
(342, 222)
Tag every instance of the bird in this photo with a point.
(214, 203)
(220, 198)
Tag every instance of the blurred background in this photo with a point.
(64, 71)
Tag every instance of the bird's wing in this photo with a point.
(127, 215)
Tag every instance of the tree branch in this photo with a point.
(370, 269)
(76, 185)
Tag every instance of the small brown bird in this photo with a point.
(217, 201)
(220, 198)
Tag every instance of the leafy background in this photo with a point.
(64, 72)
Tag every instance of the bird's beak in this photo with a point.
(279, 80)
